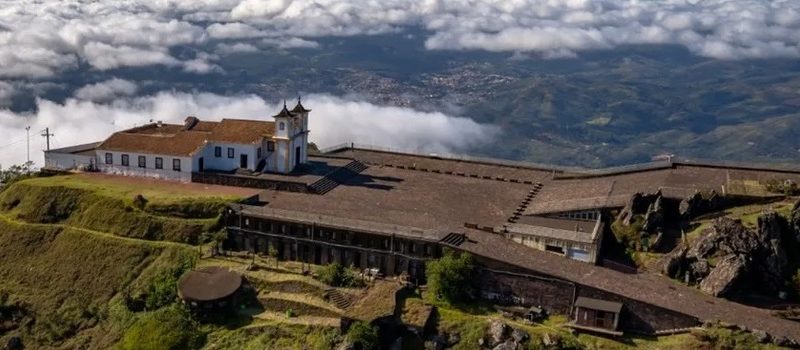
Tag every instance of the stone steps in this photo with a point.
(337, 298)
(337, 177)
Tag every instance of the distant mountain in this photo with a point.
(601, 108)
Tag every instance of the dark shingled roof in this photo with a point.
(299, 108)
(284, 113)
(597, 304)
(208, 283)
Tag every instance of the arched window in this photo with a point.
(282, 126)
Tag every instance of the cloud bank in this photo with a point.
(40, 39)
(333, 120)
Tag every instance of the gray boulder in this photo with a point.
(689, 206)
(673, 262)
(696, 205)
(771, 260)
(453, 339)
(654, 217)
(724, 276)
(498, 330)
(519, 335)
(761, 336)
(699, 270)
(507, 345)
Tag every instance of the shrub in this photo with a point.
(168, 328)
(337, 275)
(787, 187)
(364, 334)
(139, 202)
(450, 276)
(290, 313)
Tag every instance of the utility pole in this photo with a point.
(46, 134)
(28, 133)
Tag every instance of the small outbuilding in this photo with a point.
(595, 315)
(210, 288)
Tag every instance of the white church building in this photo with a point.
(175, 151)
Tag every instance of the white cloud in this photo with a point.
(291, 43)
(333, 120)
(224, 48)
(259, 8)
(43, 39)
(6, 92)
(234, 30)
(106, 90)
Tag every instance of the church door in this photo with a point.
(297, 156)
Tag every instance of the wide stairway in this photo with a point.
(337, 177)
(337, 298)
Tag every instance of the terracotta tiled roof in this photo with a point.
(241, 131)
(175, 140)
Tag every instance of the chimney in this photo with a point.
(190, 122)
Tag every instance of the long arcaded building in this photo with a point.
(535, 230)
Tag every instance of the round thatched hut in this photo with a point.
(210, 288)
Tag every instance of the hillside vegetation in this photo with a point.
(111, 209)
(64, 283)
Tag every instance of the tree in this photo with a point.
(363, 334)
(450, 276)
(15, 173)
(273, 253)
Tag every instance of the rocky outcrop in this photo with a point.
(697, 204)
(730, 257)
(636, 205)
(654, 217)
(501, 336)
(723, 277)
(498, 330)
(643, 219)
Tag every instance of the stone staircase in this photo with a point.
(337, 177)
(337, 298)
(525, 202)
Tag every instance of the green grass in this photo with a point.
(273, 335)
(471, 327)
(158, 192)
(90, 209)
(67, 279)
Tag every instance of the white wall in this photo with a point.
(67, 161)
(211, 162)
(133, 169)
(281, 152)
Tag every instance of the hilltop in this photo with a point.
(70, 281)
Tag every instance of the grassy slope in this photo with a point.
(67, 279)
(472, 326)
(109, 208)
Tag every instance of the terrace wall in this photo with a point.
(512, 285)
(248, 181)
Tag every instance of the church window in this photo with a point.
(217, 151)
(230, 152)
(282, 126)
(109, 158)
(270, 146)
(125, 160)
